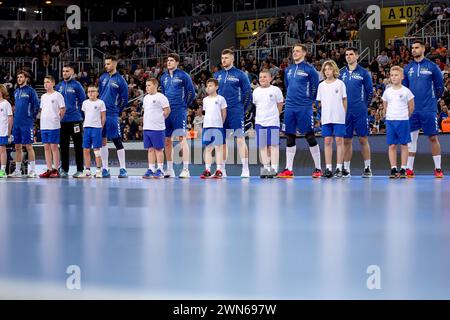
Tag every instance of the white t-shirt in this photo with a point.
(50, 106)
(154, 105)
(330, 96)
(5, 112)
(397, 101)
(93, 113)
(213, 111)
(309, 25)
(266, 100)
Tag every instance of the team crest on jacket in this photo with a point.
(53, 101)
(411, 71)
(166, 81)
(154, 101)
(336, 91)
(219, 78)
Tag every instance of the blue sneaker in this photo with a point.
(123, 173)
(105, 173)
(148, 174)
(158, 174)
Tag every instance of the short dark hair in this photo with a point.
(227, 51)
(111, 57)
(69, 66)
(24, 73)
(419, 42)
(301, 45)
(174, 56)
(212, 80)
(355, 50)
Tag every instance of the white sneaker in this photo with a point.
(98, 174)
(184, 174)
(16, 174)
(169, 174)
(86, 174)
(32, 174)
(245, 173)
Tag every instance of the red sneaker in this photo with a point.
(54, 174)
(438, 173)
(218, 174)
(285, 174)
(317, 173)
(46, 174)
(206, 174)
(409, 173)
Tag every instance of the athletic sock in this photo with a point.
(315, 152)
(410, 163)
(245, 164)
(18, 166)
(186, 165)
(329, 166)
(121, 156)
(347, 165)
(33, 166)
(339, 166)
(437, 161)
(366, 163)
(104, 155)
(169, 165)
(290, 155)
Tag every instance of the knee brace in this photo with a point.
(97, 153)
(311, 139)
(118, 143)
(412, 146)
(290, 140)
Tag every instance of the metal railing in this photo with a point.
(434, 27)
(14, 64)
(376, 48)
(365, 55)
(432, 40)
(270, 39)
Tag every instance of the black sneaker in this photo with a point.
(338, 173)
(345, 173)
(367, 173)
(402, 174)
(394, 173)
(328, 174)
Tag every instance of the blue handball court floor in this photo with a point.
(225, 239)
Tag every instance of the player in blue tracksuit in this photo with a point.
(26, 108)
(177, 86)
(113, 90)
(235, 87)
(302, 81)
(358, 83)
(425, 80)
(71, 124)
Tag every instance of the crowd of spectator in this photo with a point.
(321, 24)
(139, 43)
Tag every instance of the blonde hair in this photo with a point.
(396, 68)
(4, 91)
(333, 65)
